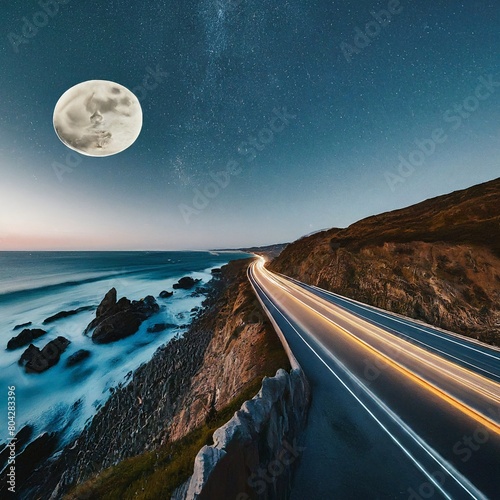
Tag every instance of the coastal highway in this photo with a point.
(399, 409)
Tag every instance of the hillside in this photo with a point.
(437, 261)
(145, 438)
(270, 251)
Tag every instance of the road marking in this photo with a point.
(407, 322)
(372, 331)
(461, 480)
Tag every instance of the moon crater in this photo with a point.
(98, 118)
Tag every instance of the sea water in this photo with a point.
(36, 285)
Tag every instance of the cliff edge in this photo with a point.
(144, 440)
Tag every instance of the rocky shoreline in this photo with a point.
(172, 394)
(114, 320)
(133, 419)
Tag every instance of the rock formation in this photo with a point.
(228, 347)
(78, 357)
(35, 452)
(65, 314)
(22, 438)
(185, 283)
(116, 320)
(23, 325)
(160, 327)
(257, 448)
(37, 360)
(24, 338)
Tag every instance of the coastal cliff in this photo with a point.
(172, 405)
(437, 261)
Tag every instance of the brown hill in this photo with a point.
(438, 261)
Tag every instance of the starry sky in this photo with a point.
(263, 120)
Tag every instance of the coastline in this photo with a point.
(62, 398)
(228, 349)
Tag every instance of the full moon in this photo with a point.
(98, 118)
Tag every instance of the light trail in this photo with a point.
(462, 342)
(466, 378)
(459, 478)
(430, 370)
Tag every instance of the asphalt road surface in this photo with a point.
(399, 409)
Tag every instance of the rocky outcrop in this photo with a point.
(21, 439)
(23, 325)
(78, 357)
(65, 314)
(108, 302)
(438, 261)
(116, 327)
(135, 418)
(269, 251)
(243, 341)
(116, 320)
(34, 453)
(257, 448)
(24, 338)
(185, 283)
(35, 360)
(165, 295)
(228, 346)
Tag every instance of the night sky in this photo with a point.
(213, 78)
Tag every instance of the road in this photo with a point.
(399, 409)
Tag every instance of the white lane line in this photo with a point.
(404, 336)
(403, 322)
(464, 341)
(461, 480)
(469, 384)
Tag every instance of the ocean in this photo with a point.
(36, 285)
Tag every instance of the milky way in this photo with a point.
(362, 101)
